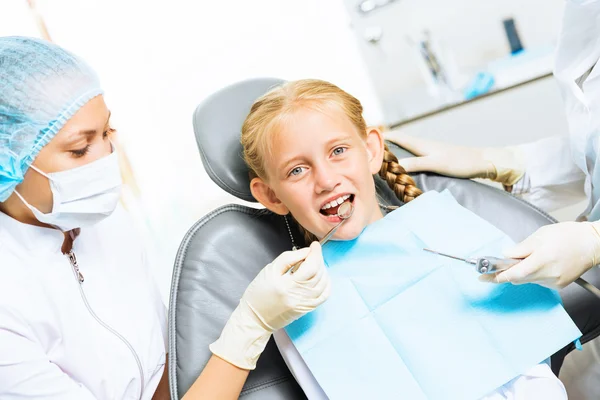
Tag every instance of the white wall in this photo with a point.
(16, 19)
(159, 59)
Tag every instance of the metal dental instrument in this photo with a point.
(489, 265)
(345, 211)
(485, 264)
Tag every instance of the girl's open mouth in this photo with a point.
(330, 209)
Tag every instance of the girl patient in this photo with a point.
(309, 150)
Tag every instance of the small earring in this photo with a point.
(294, 247)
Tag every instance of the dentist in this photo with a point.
(80, 315)
(551, 173)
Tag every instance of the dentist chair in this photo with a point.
(222, 252)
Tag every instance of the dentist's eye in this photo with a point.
(296, 171)
(339, 150)
(108, 132)
(80, 152)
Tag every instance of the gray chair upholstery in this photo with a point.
(224, 251)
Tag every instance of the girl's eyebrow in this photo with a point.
(343, 138)
(287, 164)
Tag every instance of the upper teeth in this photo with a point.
(336, 202)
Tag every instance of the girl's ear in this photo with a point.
(375, 148)
(266, 196)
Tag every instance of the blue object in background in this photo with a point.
(481, 84)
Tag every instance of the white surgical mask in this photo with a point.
(82, 196)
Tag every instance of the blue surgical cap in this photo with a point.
(41, 87)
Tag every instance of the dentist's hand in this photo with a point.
(502, 164)
(273, 300)
(554, 256)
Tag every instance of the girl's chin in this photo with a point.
(347, 231)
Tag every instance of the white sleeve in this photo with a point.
(26, 371)
(552, 180)
(539, 382)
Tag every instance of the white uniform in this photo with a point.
(563, 170)
(537, 383)
(104, 338)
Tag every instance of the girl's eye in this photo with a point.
(296, 171)
(339, 150)
(80, 152)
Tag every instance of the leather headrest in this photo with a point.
(218, 124)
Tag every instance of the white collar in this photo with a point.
(29, 237)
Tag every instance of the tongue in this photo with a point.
(332, 210)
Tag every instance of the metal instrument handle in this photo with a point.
(490, 265)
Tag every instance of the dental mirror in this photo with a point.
(345, 211)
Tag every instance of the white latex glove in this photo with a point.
(502, 164)
(273, 300)
(554, 256)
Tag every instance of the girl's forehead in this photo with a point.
(311, 126)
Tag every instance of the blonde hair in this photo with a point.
(270, 111)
